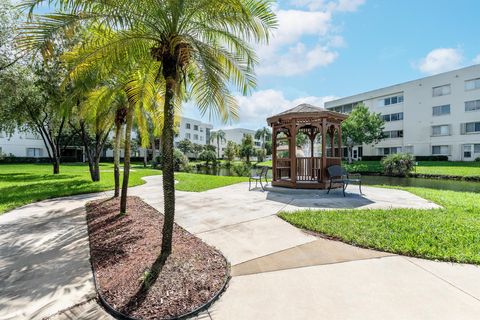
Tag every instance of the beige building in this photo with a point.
(436, 115)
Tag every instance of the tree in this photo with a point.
(361, 127)
(301, 139)
(208, 156)
(197, 149)
(264, 134)
(10, 15)
(268, 148)
(231, 151)
(218, 136)
(247, 149)
(260, 153)
(186, 146)
(201, 47)
(209, 147)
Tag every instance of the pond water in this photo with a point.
(453, 185)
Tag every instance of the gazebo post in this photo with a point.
(274, 153)
(324, 149)
(332, 141)
(312, 154)
(293, 152)
(339, 142)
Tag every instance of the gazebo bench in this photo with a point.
(338, 174)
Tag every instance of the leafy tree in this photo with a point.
(197, 149)
(268, 148)
(201, 46)
(247, 149)
(398, 164)
(209, 147)
(231, 151)
(264, 134)
(186, 146)
(301, 139)
(218, 136)
(361, 127)
(260, 153)
(208, 156)
(10, 15)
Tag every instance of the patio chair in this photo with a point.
(338, 174)
(257, 177)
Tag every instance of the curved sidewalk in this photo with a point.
(279, 272)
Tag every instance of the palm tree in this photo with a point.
(201, 47)
(220, 137)
(263, 134)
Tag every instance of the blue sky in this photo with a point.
(336, 48)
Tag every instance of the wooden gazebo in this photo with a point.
(293, 169)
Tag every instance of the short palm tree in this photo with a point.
(218, 136)
(264, 134)
(201, 47)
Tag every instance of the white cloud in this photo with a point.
(255, 109)
(476, 60)
(441, 60)
(304, 39)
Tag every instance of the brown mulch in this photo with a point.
(123, 250)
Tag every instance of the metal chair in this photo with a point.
(338, 174)
(257, 177)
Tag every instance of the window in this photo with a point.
(441, 130)
(467, 151)
(201, 138)
(390, 100)
(472, 84)
(441, 110)
(195, 137)
(387, 151)
(393, 117)
(476, 148)
(195, 127)
(188, 136)
(471, 127)
(441, 150)
(393, 134)
(34, 152)
(257, 143)
(441, 90)
(473, 105)
(201, 129)
(187, 125)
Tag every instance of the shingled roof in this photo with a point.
(306, 110)
(302, 108)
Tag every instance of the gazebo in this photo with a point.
(291, 167)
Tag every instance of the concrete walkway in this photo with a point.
(279, 272)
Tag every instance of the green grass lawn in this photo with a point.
(450, 234)
(452, 168)
(202, 182)
(21, 184)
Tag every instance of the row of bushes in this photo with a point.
(416, 158)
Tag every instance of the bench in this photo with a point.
(338, 174)
(258, 176)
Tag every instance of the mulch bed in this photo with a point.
(123, 250)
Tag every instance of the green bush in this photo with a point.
(180, 161)
(208, 156)
(242, 169)
(261, 154)
(477, 159)
(398, 164)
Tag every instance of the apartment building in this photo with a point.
(436, 115)
(194, 130)
(236, 135)
(22, 144)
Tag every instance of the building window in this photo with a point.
(195, 127)
(201, 129)
(441, 110)
(471, 127)
(472, 84)
(442, 130)
(188, 135)
(390, 100)
(441, 90)
(201, 138)
(195, 137)
(34, 152)
(393, 134)
(473, 105)
(476, 148)
(441, 150)
(187, 125)
(393, 117)
(387, 151)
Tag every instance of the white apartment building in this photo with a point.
(22, 144)
(436, 115)
(236, 135)
(194, 130)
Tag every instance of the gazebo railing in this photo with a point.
(308, 168)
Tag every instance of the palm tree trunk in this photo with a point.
(218, 148)
(126, 161)
(116, 158)
(170, 75)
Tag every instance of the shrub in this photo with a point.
(477, 159)
(260, 153)
(398, 164)
(208, 156)
(180, 161)
(242, 169)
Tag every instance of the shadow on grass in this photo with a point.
(29, 178)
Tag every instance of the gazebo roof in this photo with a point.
(306, 110)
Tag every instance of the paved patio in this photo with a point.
(279, 272)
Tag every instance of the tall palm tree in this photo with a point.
(263, 134)
(219, 136)
(201, 47)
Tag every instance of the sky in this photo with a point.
(326, 49)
